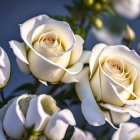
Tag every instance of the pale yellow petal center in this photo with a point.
(115, 65)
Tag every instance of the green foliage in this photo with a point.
(68, 134)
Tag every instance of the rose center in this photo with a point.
(48, 39)
(115, 66)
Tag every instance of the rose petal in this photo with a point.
(19, 50)
(94, 59)
(119, 117)
(2, 136)
(85, 57)
(136, 87)
(126, 131)
(81, 135)
(132, 110)
(108, 119)
(125, 91)
(43, 82)
(126, 102)
(14, 119)
(43, 70)
(23, 66)
(77, 50)
(4, 68)
(69, 78)
(90, 109)
(108, 93)
(96, 84)
(58, 123)
(36, 115)
(28, 27)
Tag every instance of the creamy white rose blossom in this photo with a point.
(50, 50)
(127, 8)
(4, 68)
(40, 111)
(111, 84)
(127, 131)
(82, 135)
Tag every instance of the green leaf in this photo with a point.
(69, 133)
(109, 9)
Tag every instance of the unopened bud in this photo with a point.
(98, 23)
(98, 7)
(129, 34)
(139, 47)
(88, 2)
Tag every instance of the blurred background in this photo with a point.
(15, 12)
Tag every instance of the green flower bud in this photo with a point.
(98, 23)
(98, 7)
(139, 47)
(129, 34)
(88, 2)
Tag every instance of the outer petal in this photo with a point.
(77, 50)
(95, 84)
(36, 114)
(43, 70)
(119, 118)
(108, 119)
(94, 59)
(62, 28)
(126, 131)
(2, 136)
(81, 135)
(90, 109)
(132, 110)
(122, 8)
(69, 78)
(19, 50)
(23, 66)
(58, 124)
(14, 120)
(4, 68)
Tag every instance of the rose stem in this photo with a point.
(54, 88)
(35, 87)
(2, 96)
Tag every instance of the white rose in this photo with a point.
(127, 8)
(50, 49)
(111, 85)
(127, 131)
(4, 68)
(40, 111)
(82, 135)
